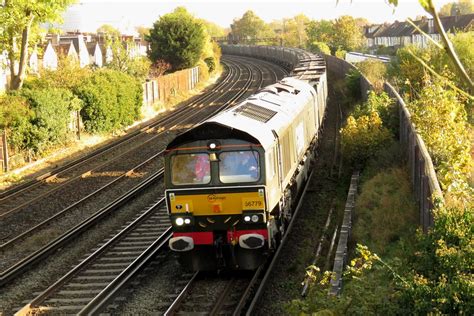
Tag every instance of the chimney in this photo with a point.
(55, 39)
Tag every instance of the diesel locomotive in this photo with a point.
(231, 181)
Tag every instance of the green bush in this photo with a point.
(385, 108)
(353, 83)
(112, 100)
(68, 76)
(15, 115)
(340, 53)
(361, 138)
(211, 64)
(440, 118)
(375, 71)
(48, 125)
(319, 47)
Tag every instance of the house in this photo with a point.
(4, 72)
(33, 62)
(451, 24)
(67, 50)
(399, 34)
(50, 57)
(78, 50)
(95, 54)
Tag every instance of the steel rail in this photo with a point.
(276, 256)
(94, 256)
(28, 262)
(128, 138)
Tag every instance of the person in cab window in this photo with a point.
(201, 167)
(248, 165)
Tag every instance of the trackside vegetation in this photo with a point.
(402, 270)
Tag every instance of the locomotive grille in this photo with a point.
(255, 112)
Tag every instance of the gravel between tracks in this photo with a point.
(25, 287)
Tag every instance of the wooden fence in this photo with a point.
(422, 174)
(169, 85)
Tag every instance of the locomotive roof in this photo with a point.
(255, 118)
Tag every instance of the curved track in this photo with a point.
(220, 101)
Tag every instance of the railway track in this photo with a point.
(57, 216)
(27, 263)
(82, 289)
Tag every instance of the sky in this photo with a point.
(88, 15)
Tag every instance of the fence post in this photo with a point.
(5, 151)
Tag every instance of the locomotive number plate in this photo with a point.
(252, 204)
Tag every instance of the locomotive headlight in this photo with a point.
(247, 218)
(180, 221)
(187, 221)
(255, 218)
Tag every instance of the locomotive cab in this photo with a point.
(215, 193)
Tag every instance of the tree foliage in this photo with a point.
(109, 31)
(344, 33)
(47, 126)
(460, 7)
(410, 73)
(213, 29)
(440, 119)
(319, 47)
(13, 110)
(21, 19)
(362, 137)
(136, 66)
(375, 71)
(294, 31)
(251, 27)
(178, 38)
(112, 100)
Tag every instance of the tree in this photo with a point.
(177, 38)
(123, 61)
(459, 8)
(294, 31)
(213, 29)
(320, 31)
(143, 31)
(348, 34)
(109, 31)
(20, 20)
(250, 27)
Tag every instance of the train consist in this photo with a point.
(231, 181)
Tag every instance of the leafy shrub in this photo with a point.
(111, 99)
(440, 119)
(319, 47)
(362, 138)
(441, 281)
(13, 108)
(353, 83)
(385, 108)
(211, 64)
(48, 125)
(340, 53)
(203, 71)
(68, 76)
(375, 71)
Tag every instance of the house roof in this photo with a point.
(396, 29)
(450, 24)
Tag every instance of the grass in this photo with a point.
(385, 221)
(385, 210)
